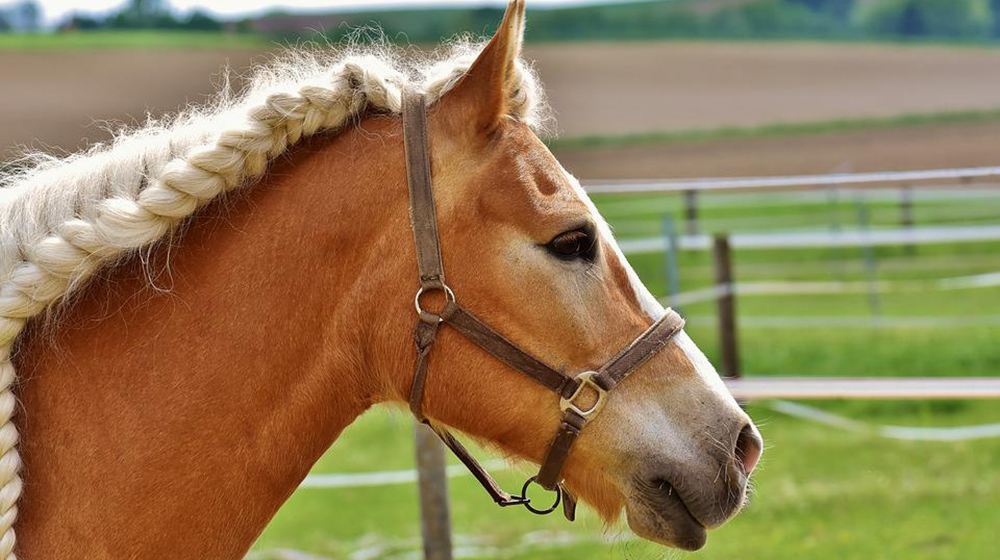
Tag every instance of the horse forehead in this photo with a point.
(545, 183)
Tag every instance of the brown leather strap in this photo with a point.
(505, 351)
(425, 236)
(418, 177)
(570, 426)
(499, 496)
(642, 349)
(569, 504)
(424, 335)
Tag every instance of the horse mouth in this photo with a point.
(658, 512)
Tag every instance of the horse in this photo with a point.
(191, 314)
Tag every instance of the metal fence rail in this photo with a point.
(816, 239)
(801, 182)
(865, 387)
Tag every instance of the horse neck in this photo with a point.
(198, 411)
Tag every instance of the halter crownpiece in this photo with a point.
(576, 409)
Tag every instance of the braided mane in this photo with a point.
(65, 219)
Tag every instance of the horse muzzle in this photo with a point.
(676, 503)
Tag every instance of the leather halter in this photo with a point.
(573, 392)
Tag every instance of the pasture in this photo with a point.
(821, 492)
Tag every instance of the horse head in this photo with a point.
(527, 250)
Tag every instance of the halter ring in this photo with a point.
(532, 509)
(425, 315)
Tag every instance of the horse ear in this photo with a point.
(481, 95)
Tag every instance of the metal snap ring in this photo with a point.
(427, 315)
(532, 509)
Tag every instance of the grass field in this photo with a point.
(820, 493)
(69, 42)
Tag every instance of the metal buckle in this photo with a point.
(586, 379)
(427, 315)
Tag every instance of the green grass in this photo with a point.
(643, 215)
(820, 494)
(775, 130)
(75, 41)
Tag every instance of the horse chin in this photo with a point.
(664, 519)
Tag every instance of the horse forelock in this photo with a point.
(63, 219)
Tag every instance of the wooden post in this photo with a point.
(691, 212)
(726, 306)
(435, 521)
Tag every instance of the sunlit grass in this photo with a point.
(74, 41)
(820, 494)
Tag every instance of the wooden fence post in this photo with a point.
(435, 520)
(726, 306)
(691, 212)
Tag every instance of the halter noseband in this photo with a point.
(570, 390)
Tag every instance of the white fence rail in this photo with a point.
(883, 178)
(865, 387)
(813, 239)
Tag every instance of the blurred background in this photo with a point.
(870, 249)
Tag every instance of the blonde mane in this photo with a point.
(62, 220)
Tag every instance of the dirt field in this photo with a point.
(55, 99)
(616, 89)
(917, 147)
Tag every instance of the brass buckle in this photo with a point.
(586, 379)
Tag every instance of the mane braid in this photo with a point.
(64, 220)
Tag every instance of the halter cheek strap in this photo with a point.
(581, 398)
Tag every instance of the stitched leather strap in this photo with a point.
(423, 219)
(418, 176)
(499, 496)
(641, 350)
(505, 351)
(424, 335)
(570, 426)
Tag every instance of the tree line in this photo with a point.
(973, 20)
(144, 14)
(969, 20)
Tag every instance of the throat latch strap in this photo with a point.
(581, 397)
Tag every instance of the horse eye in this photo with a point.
(576, 244)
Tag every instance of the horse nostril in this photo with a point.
(749, 446)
